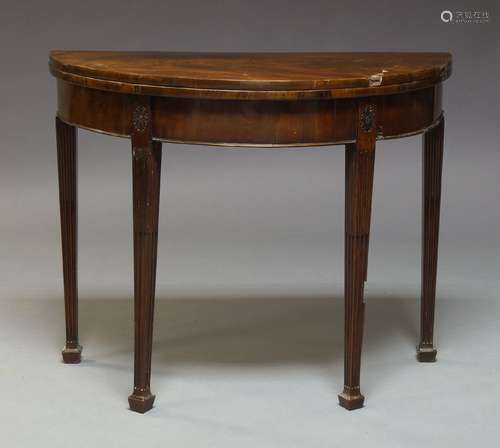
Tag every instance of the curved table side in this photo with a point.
(249, 123)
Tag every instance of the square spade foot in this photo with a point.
(141, 401)
(351, 399)
(72, 355)
(426, 353)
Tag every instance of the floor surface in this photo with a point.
(250, 372)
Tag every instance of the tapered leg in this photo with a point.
(432, 166)
(146, 167)
(360, 157)
(67, 170)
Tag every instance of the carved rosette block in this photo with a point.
(140, 118)
(367, 119)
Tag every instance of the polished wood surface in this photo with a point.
(254, 100)
(67, 161)
(432, 162)
(300, 74)
(249, 123)
(359, 166)
(146, 173)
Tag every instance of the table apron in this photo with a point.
(249, 123)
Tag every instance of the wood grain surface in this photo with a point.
(177, 74)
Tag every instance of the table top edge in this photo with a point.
(166, 85)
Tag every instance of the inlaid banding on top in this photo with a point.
(315, 75)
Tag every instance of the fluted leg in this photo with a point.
(146, 163)
(432, 166)
(67, 170)
(360, 157)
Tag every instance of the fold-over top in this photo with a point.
(343, 74)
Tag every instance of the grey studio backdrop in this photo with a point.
(248, 330)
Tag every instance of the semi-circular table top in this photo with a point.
(251, 75)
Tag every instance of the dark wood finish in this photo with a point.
(359, 165)
(146, 169)
(251, 75)
(432, 162)
(249, 123)
(67, 170)
(241, 99)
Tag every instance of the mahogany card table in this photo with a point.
(254, 100)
